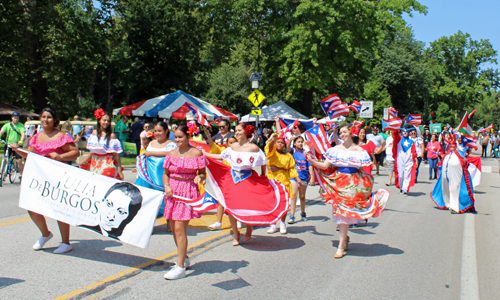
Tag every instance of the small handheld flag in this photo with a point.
(391, 124)
(199, 117)
(203, 203)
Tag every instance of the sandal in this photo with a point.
(341, 254)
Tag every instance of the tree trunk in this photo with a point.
(307, 100)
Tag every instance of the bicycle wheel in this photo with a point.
(2, 170)
(13, 170)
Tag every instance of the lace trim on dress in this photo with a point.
(343, 158)
(99, 146)
(50, 146)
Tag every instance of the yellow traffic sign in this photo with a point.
(256, 98)
(256, 112)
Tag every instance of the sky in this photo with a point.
(479, 18)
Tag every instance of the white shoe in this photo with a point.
(272, 229)
(175, 273)
(39, 244)
(282, 227)
(187, 263)
(238, 224)
(215, 226)
(63, 248)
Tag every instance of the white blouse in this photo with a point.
(243, 160)
(99, 145)
(167, 148)
(345, 158)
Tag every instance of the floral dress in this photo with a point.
(345, 184)
(184, 168)
(102, 160)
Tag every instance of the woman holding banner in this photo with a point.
(184, 170)
(105, 149)
(59, 146)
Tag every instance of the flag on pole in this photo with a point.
(468, 141)
(356, 106)
(327, 103)
(318, 138)
(464, 127)
(199, 117)
(391, 124)
(338, 110)
(392, 112)
(203, 203)
(414, 119)
(488, 128)
(472, 113)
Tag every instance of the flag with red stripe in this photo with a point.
(392, 112)
(356, 106)
(285, 129)
(391, 124)
(203, 203)
(199, 117)
(414, 119)
(318, 138)
(338, 110)
(327, 103)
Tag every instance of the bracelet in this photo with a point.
(166, 184)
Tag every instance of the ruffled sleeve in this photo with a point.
(51, 146)
(33, 140)
(225, 154)
(192, 163)
(260, 159)
(170, 147)
(114, 146)
(343, 158)
(100, 145)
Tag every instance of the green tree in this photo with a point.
(457, 63)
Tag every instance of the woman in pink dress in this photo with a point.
(59, 146)
(433, 152)
(184, 170)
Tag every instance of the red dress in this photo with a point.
(369, 148)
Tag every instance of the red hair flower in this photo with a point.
(249, 130)
(150, 135)
(99, 113)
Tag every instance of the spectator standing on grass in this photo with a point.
(123, 132)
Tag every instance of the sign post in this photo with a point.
(256, 98)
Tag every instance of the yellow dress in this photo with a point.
(283, 161)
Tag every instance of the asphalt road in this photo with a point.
(412, 251)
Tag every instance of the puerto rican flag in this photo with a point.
(414, 119)
(356, 106)
(338, 110)
(285, 129)
(392, 112)
(199, 117)
(391, 124)
(318, 138)
(203, 203)
(357, 123)
(468, 141)
(328, 102)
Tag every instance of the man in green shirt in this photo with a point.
(15, 135)
(123, 131)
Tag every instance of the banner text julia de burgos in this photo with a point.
(75, 192)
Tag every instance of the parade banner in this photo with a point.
(113, 208)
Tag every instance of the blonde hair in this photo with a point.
(66, 127)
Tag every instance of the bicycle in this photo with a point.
(8, 167)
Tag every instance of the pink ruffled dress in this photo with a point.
(180, 167)
(46, 148)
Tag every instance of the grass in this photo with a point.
(128, 160)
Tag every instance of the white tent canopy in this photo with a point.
(280, 109)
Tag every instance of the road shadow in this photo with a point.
(478, 192)
(416, 194)
(301, 229)
(496, 187)
(404, 212)
(7, 281)
(217, 266)
(369, 250)
(272, 243)
(95, 250)
(317, 218)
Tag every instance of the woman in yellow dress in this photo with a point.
(280, 166)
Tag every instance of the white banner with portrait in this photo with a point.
(113, 208)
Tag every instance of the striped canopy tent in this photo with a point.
(173, 106)
(139, 108)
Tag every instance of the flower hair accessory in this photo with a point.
(249, 130)
(99, 113)
(150, 135)
(192, 128)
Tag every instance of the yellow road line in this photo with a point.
(11, 220)
(15, 222)
(133, 269)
